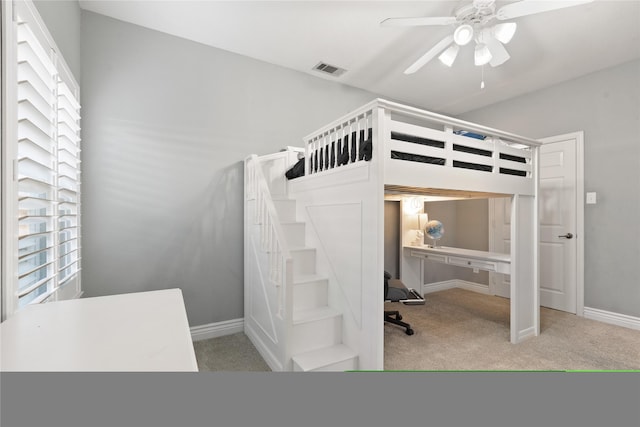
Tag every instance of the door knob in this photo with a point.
(567, 236)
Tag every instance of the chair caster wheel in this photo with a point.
(409, 331)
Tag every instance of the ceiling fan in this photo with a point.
(475, 21)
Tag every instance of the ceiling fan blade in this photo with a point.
(431, 53)
(412, 22)
(531, 7)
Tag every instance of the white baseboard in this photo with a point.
(472, 286)
(526, 333)
(612, 318)
(427, 288)
(455, 283)
(219, 329)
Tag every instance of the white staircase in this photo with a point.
(313, 339)
(316, 340)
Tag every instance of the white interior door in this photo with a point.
(560, 225)
(558, 234)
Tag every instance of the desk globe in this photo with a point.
(434, 230)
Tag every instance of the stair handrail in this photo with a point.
(272, 238)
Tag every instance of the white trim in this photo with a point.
(219, 329)
(580, 221)
(427, 288)
(618, 319)
(526, 333)
(472, 286)
(8, 185)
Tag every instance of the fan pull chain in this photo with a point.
(482, 82)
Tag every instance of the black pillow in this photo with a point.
(366, 146)
(296, 170)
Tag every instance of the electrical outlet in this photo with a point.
(591, 198)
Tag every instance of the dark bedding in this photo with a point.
(338, 153)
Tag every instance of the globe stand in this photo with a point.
(434, 244)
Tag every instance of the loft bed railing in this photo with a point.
(460, 149)
(417, 136)
(344, 142)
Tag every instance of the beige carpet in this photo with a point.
(229, 353)
(463, 330)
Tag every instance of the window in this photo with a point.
(41, 165)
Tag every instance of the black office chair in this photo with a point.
(396, 291)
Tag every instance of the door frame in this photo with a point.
(579, 232)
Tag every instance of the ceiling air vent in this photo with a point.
(329, 69)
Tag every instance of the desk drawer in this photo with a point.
(473, 263)
(430, 257)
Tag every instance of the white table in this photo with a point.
(144, 331)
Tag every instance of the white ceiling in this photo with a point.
(548, 48)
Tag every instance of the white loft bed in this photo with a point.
(388, 148)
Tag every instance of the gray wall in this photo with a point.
(606, 106)
(472, 223)
(466, 225)
(167, 123)
(63, 20)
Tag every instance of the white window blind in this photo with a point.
(68, 184)
(47, 167)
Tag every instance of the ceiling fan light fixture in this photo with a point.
(504, 32)
(448, 56)
(463, 34)
(473, 20)
(482, 54)
(499, 54)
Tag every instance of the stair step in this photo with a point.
(301, 279)
(304, 260)
(310, 291)
(286, 209)
(294, 232)
(302, 249)
(337, 357)
(314, 329)
(314, 314)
